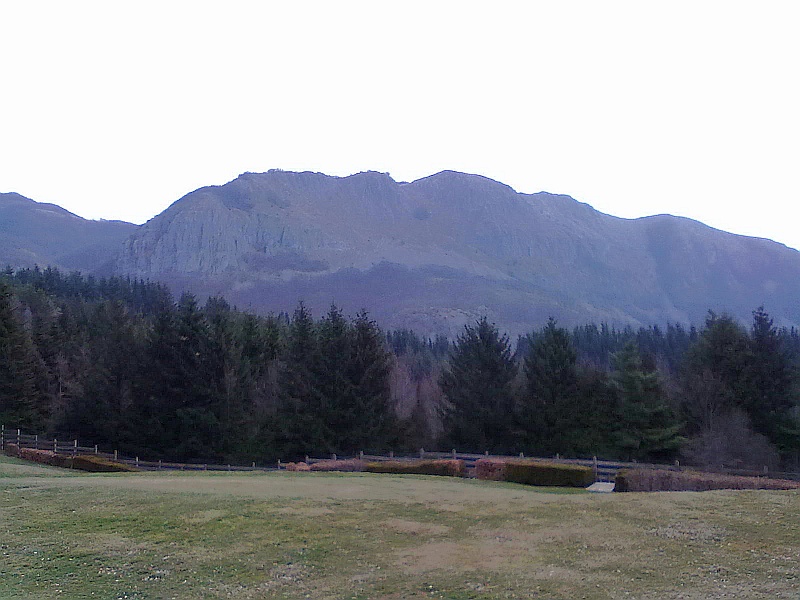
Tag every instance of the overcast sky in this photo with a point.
(114, 110)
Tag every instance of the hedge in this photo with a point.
(661, 480)
(82, 462)
(491, 469)
(350, 465)
(98, 464)
(549, 474)
(534, 472)
(446, 468)
(11, 449)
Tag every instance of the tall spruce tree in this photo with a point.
(772, 398)
(647, 426)
(19, 397)
(477, 384)
(551, 410)
(300, 427)
(374, 424)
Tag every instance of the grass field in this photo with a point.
(322, 535)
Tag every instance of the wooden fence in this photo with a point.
(604, 470)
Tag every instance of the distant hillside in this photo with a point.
(441, 251)
(32, 233)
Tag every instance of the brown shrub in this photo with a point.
(446, 468)
(661, 480)
(350, 466)
(299, 466)
(11, 449)
(490, 469)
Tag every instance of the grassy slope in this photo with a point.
(324, 535)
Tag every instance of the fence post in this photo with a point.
(391, 453)
(115, 455)
(486, 453)
(454, 453)
(2, 436)
(594, 467)
(361, 454)
(422, 452)
(18, 438)
(75, 448)
(306, 458)
(137, 462)
(522, 455)
(55, 445)
(159, 464)
(254, 465)
(95, 449)
(333, 456)
(279, 464)
(36, 441)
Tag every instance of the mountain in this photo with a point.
(33, 233)
(439, 252)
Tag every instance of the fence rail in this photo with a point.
(604, 470)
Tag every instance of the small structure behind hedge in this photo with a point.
(661, 480)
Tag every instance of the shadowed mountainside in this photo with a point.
(34, 233)
(441, 251)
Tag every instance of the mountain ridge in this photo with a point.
(434, 254)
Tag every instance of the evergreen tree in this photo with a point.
(551, 410)
(477, 384)
(647, 426)
(772, 396)
(300, 426)
(374, 424)
(19, 397)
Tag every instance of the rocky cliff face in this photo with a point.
(441, 251)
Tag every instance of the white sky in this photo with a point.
(116, 109)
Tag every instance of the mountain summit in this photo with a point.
(438, 252)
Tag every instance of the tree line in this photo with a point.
(120, 362)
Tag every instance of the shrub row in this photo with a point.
(350, 465)
(447, 468)
(534, 472)
(660, 480)
(298, 466)
(11, 449)
(83, 462)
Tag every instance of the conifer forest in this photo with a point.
(122, 363)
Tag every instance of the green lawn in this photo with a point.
(316, 535)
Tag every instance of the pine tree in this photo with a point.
(772, 386)
(300, 427)
(374, 423)
(647, 426)
(477, 384)
(19, 397)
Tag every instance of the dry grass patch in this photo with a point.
(361, 536)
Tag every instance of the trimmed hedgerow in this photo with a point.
(446, 468)
(83, 462)
(298, 466)
(491, 469)
(661, 480)
(532, 472)
(11, 449)
(350, 465)
(98, 464)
